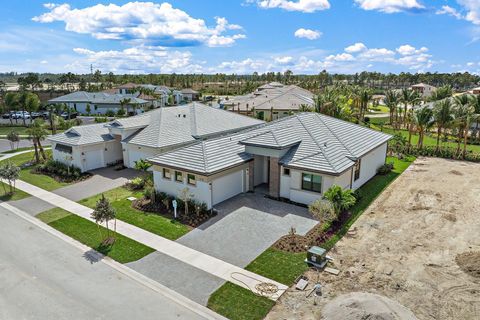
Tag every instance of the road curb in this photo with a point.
(132, 274)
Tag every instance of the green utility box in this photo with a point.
(316, 257)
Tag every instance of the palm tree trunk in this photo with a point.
(37, 157)
(23, 116)
(42, 152)
(439, 133)
(465, 139)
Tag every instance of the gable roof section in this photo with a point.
(83, 135)
(322, 144)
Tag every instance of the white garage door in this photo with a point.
(93, 159)
(227, 186)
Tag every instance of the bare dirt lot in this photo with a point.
(418, 244)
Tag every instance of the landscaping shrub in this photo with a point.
(385, 169)
(101, 119)
(60, 171)
(137, 183)
(110, 113)
(431, 151)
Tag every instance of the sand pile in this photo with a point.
(361, 305)
(469, 262)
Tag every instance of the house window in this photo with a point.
(286, 171)
(178, 176)
(311, 182)
(166, 174)
(191, 179)
(63, 148)
(357, 169)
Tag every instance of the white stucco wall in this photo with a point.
(132, 153)
(201, 191)
(370, 164)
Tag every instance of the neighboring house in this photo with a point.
(100, 102)
(476, 90)
(295, 158)
(190, 95)
(127, 140)
(271, 101)
(425, 90)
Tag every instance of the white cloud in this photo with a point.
(307, 6)
(470, 11)
(308, 34)
(390, 6)
(141, 59)
(340, 57)
(450, 11)
(285, 60)
(147, 22)
(357, 47)
(407, 49)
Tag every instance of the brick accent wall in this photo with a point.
(274, 185)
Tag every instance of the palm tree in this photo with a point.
(11, 102)
(123, 103)
(464, 114)
(32, 103)
(423, 119)
(365, 98)
(442, 114)
(37, 133)
(341, 199)
(407, 98)
(391, 101)
(414, 100)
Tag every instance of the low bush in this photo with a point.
(385, 169)
(431, 151)
(60, 171)
(101, 119)
(135, 184)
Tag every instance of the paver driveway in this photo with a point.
(245, 227)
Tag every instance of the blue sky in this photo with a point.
(241, 36)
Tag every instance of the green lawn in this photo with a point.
(157, 224)
(39, 180)
(237, 303)
(17, 150)
(4, 130)
(285, 267)
(429, 140)
(17, 194)
(124, 250)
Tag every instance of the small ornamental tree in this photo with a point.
(323, 211)
(186, 196)
(14, 139)
(104, 212)
(341, 199)
(142, 165)
(10, 173)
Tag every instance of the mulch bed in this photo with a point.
(193, 220)
(315, 237)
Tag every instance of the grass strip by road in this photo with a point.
(17, 150)
(153, 223)
(285, 267)
(237, 303)
(124, 249)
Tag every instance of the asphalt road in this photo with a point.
(43, 277)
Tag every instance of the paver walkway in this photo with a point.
(211, 265)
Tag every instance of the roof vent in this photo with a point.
(184, 115)
(325, 144)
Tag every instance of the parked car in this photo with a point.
(35, 115)
(6, 116)
(73, 115)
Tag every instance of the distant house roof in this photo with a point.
(313, 141)
(188, 91)
(97, 98)
(83, 135)
(272, 96)
(422, 85)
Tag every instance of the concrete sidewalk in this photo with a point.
(204, 262)
(103, 180)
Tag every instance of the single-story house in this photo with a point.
(425, 90)
(295, 158)
(127, 140)
(101, 102)
(271, 101)
(190, 95)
